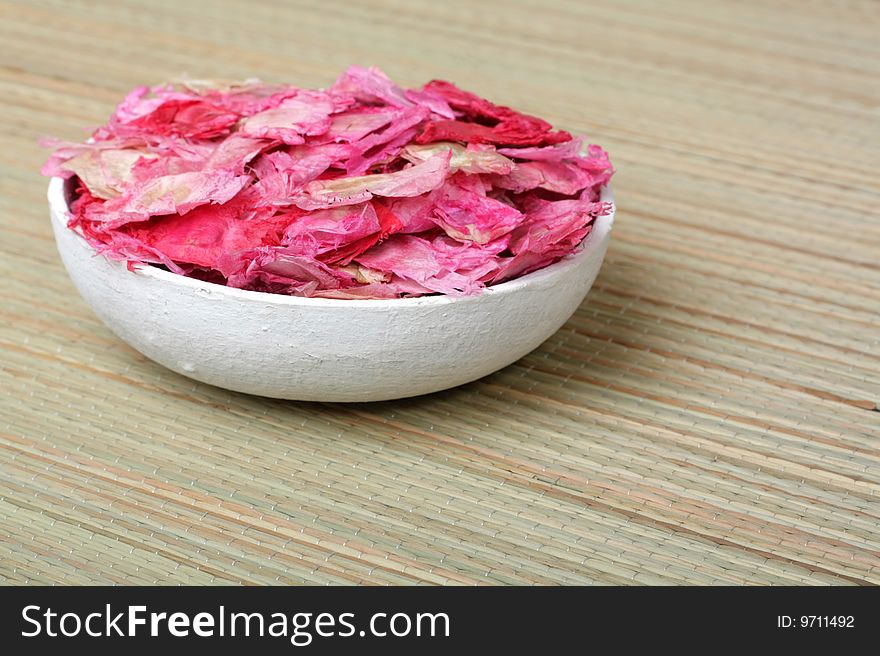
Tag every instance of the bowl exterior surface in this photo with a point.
(323, 349)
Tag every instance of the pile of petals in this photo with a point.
(362, 190)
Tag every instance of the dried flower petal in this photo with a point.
(105, 171)
(470, 159)
(365, 190)
(560, 177)
(468, 215)
(290, 122)
(412, 181)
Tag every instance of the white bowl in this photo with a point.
(315, 349)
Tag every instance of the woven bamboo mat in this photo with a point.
(708, 416)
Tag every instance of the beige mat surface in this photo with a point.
(708, 416)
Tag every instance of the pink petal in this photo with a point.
(387, 143)
(555, 153)
(272, 269)
(326, 230)
(203, 236)
(469, 215)
(560, 177)
(417, 260)
(370, 85)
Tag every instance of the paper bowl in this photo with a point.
(315, 349)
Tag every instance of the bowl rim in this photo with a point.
(59, 210)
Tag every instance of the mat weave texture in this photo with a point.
(708, 416)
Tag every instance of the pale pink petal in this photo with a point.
(376, 290)
(431, 101)
(412, 181)
(172, 194)
(105, 172)
(472, 159)
(308, 113)
(235, 152)
(556, 153)
(358, 123)
(243, 98)
(64, 151)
